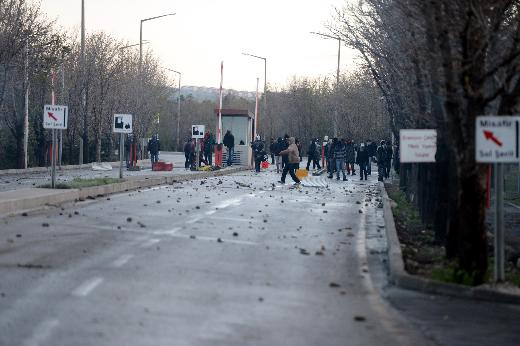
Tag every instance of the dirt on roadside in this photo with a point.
(423, 256)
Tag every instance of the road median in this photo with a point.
(20, 200)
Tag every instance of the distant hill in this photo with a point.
(210, 94)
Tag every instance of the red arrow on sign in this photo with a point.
(491, 136)
(51, 115)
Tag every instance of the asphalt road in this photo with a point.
(224, 261)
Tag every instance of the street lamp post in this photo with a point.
(336, 109)
(178, 107)
(141, 36)
(83, 139)
(265, 83)
(141, 56)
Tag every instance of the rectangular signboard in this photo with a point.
(122, 123)
(197, 131)
(418, 145)
(55, 117)
(496, 139)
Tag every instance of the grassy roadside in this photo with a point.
(78, 183)
(422, 255)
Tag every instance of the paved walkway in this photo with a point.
(17, 181)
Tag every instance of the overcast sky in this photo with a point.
(205, 32)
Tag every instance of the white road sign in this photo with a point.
(122, 123)
(197, 131)
(497, 139)
(55, 117)
(418, 145)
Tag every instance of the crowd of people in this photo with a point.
(340, 155)
(207, 147)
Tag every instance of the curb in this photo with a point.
(46, 197)
(400, 278)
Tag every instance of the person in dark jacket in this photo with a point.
(277, 150)
(371, 150)
(388, 159)
(331, 163)
(209, 143)
(258, 152)
(362, 161)
(272, 148)
(153, 148)
(229, 143)
(317, 155)
(340, 154)
(381, 161)
(350, 157)
(311, 151)
(189, 153)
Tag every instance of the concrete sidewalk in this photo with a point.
(37, 176)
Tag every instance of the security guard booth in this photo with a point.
(241, 124)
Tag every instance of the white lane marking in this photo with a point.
(155, 188)
(229, 202)
(194, 219)
(87, 287)
(214, 239)
(230, 218)
(150, 242)
(42, 333)
(211, 212)
(167, 232)
(261, 192)
(121, 261)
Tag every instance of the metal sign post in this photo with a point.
(497, 141)
(197, 132)
(122, 124)
(197, 157)
(121, 156)
(499, 224)
(53, 156)
(54, 117)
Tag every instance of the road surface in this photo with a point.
(234, 260)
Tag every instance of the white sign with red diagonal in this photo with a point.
(55, 117)
(497, 139)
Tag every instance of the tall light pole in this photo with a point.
(265, 82)
(83, 102)
(178, 107)
(26, 108)
(336, 109)
(141, 36)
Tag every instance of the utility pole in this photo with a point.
(179, 114)
(26, 116)
(178, 107)
(63, 101)
(336, 108)
(265, 80)
(84, 140)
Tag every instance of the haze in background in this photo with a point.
(204, 32)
